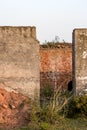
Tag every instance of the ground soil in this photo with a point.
(14, 110)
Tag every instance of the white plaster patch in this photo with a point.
(82, 78)
(84, 55)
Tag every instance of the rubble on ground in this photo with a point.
(14, 110)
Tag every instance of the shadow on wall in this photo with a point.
(56, 80)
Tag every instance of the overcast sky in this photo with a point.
(51, 17)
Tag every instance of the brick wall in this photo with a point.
(56, 65)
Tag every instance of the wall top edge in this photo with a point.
(17, 27)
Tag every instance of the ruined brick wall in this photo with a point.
(56, 65)
(80, 60)
(19, 60)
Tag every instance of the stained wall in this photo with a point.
(56, 65)
(79, 60)
(19, 60)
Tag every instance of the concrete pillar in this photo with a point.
(79, 61)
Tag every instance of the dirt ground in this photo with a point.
(14, 110)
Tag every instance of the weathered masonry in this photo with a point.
(19, 60)
(79, 60)
(24, 66)
(56, 66)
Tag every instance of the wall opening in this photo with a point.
(70, 87)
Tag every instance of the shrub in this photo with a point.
(77, 106)
(45, 126)
(47, 91)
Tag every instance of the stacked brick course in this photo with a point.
(56, 65)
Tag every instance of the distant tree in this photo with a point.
(63, 40)
(57, 39)
(45, 41)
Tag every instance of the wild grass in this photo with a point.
(52, 114)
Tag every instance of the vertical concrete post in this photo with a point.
(79, 60)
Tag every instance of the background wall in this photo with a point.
(56, 65)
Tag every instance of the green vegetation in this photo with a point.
(47, 92)
(56, 45)
(62, 112)
(61, 124)
(77, 106)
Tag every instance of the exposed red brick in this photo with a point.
(55, 65)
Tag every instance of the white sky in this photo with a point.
(51, 17)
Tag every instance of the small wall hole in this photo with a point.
(70, 87)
